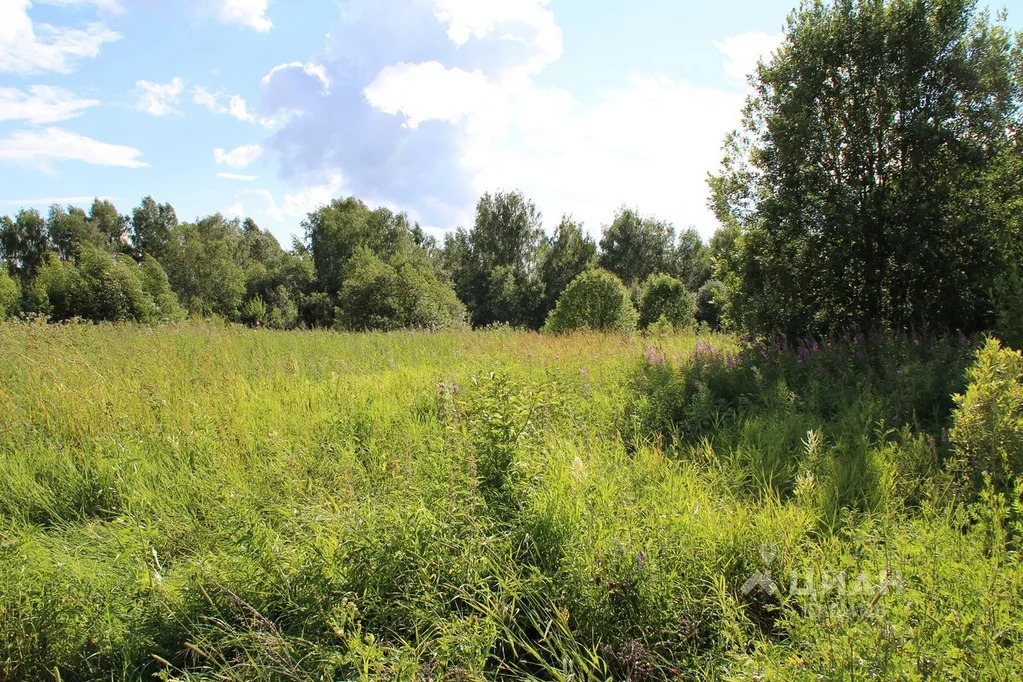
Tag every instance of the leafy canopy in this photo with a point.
(858, 188)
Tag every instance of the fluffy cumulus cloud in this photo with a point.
(41, 104)
(159, 99)
(239, 157)
(28, 48)
(743, 51)
(234, 105)
(425, 104)
(247, 13)
(54, 144)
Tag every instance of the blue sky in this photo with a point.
(268, 108)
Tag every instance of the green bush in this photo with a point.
(400, 294)
(710, 301)
(663, 296)
(112, 289)
(988, 431)
(594, 300)
(157, 285)
(10, 294)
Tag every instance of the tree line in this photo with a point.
(874, 185)
(356, 268)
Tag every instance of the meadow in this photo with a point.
(208, 502)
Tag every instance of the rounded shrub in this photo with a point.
(988, 431)
(710, 303)
(666, 300)
(596, 300)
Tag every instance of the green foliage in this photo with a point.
(710, 300)
(594, 300)
(337, 231)
(860, 185)
(10, 295)
(111, 225)
(156, 284)
(988, 431)
(693, 258)
(664, 297)
(879, 408)
(70, 229)
(571, 253)
(404, 293)
(24, 242)
(634, 247)
(200, 501)
(151, 228)
(919, 597)
(494, 265)
(203, 264)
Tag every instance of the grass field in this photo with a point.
(203, 502)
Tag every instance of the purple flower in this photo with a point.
(654, 356)
(584, 373)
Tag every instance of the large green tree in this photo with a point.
(151, 227)
(336, 231)
(571, 253)
(495, 265)
(857, 189)
(634, 247)
(204, 265)
(24, 242)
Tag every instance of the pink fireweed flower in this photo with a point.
(654, 356)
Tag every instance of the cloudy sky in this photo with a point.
(268, 108)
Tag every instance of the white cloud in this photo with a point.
(48, 144)
(248, 13)
(428, 91)
(523, 20)
(236, 106)
(312, 69)
(743, 51)
(473, 116)
(299, 204)
(26, 50)
(237, 176)
(159, 99)
(41, 104)
(239, 157)
(272, 209)
(205, 98)
(235, 210)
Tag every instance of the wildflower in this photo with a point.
(584, 373)
(901, 373)
(654, 356)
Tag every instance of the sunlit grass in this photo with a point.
(209, 502)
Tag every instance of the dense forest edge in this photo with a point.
(794, 452)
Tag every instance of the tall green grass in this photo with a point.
(203, 502)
